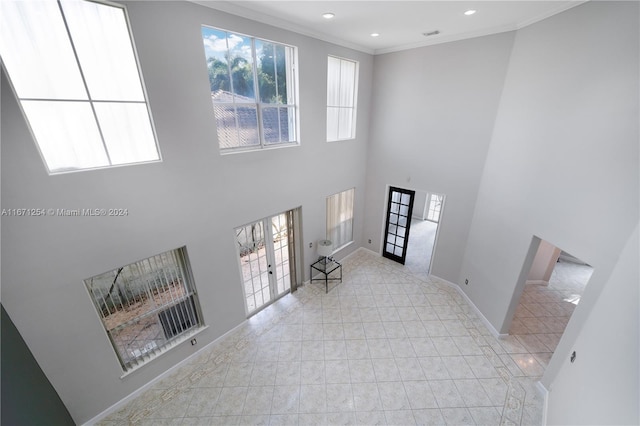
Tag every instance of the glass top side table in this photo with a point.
(326, 265)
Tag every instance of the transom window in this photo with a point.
(73, 68)
(342, 90)
(253, 89)
(340, 218)
(146, 307)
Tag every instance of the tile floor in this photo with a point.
(383, 347)
(544, 311)
(420, 247)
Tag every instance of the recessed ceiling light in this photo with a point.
(375, 34)
(328, 15)
(470, 12)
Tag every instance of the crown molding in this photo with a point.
(561, 8)
(234, 8)
(243, 12)
(443, 38)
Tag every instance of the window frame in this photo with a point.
(90, 100)
(259, 105)
(339, 245)
(164, 317)
(354, 96)
(434, 207)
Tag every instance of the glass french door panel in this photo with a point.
(284, 279)
(264, 261)
(254, 265)
(266, 295)
(251, 304)
(281, 253)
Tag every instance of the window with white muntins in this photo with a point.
(253, 87)
(435, 206)
(73, 68)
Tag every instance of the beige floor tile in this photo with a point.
(384, 347)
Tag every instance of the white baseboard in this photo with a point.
(353, 253)
(127, 399)
(484, 319)
(369, 250)
(544, 394)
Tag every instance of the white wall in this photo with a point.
(420, 205)
(195, 197)
(431, 124)
(544, 262)
(568, 113)
(601, 386)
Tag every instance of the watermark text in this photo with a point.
(57, 212)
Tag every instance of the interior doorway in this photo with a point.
(554, 286)
(427, 212)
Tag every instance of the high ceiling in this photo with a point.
(400, 24)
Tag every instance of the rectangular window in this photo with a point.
(253, 90)
(340, 218)
(435, 205)
(342, 93)
(73, 68)
(146, 306)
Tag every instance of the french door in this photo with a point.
(266, 251)
(398, 223)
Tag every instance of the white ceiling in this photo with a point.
(401, 24)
